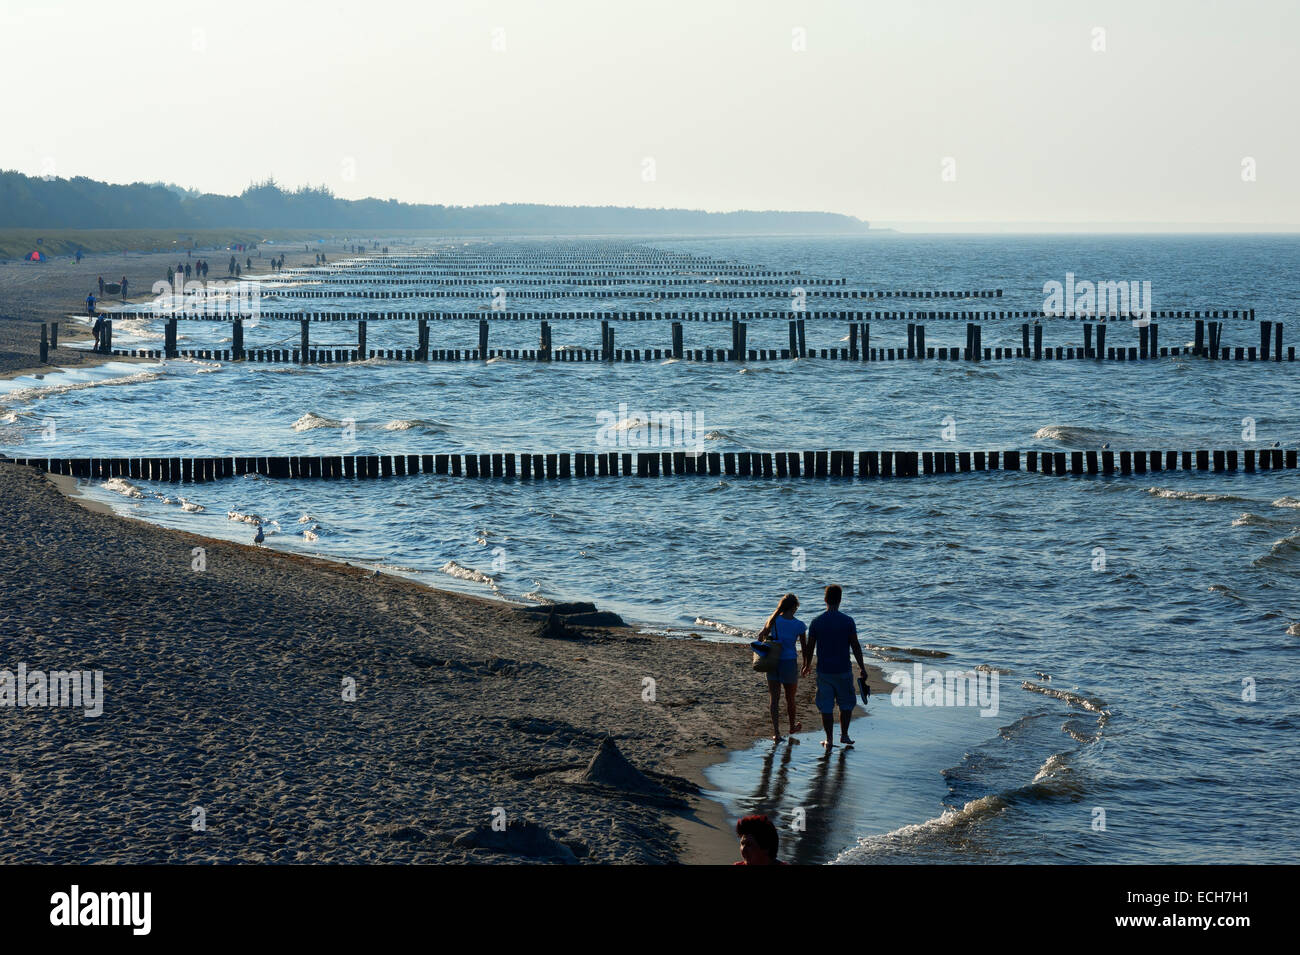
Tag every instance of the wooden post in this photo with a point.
(45, 345)
(1265, 339)
(920, 341)
(544, 349)
(911, 340)
(169, 339)
(794, 339)
(422, 338)
(1038, 341)
(1199, 346)
(482, 339)
(1101, 342)
(853, 341)
(304, 339)
(361, 340)
(1024, 339)
(677, 339)
(54, 335)
(237, 339)
(803, 344)
(1277, 341)
(1087, 339)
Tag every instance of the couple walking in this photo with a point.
(832, 635)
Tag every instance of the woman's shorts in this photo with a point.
(786, 672)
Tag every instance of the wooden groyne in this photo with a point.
(1208, 344)
(661, 292)
(670, 463)
(215, 313)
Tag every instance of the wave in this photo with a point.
(123, 487)
(1068, 434)
(459, 571)
(721, 627)
(36, 392)
(1281, 551)
(1287, 502)
(912, 651)
(951, 828)
(1090, 703)
(1248, 519)
(310, 421)
(410, 424)
(1173, 495)
(190, 506)
(253, 519)
(1293, 630)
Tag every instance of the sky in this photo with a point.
(925, 113)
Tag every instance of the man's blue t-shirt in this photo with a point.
(833, 632)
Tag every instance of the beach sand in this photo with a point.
(223, 691)
(32, 294)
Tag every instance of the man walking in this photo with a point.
(833, 635)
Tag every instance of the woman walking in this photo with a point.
(783, 628)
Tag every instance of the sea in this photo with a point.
(1136, 639)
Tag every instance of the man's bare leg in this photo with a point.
(845, 717)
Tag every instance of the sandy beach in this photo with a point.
(223, 691)
(32, 294)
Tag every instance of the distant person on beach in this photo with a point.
(101, 285)
(758, 841)
(78, 256)
(124, 288)
(90, 304)
(98, 331)
(833, 635)
(786, 630)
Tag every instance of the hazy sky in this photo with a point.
(699, 104)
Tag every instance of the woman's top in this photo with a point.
(786, 630)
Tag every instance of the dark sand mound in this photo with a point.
(521, 838)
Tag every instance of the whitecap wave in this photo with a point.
(1173, 495)
(122, 486)
(309, 421)
(36, 392)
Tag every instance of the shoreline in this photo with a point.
(680, 741)
(702, 829)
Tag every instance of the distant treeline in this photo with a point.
(28, 202)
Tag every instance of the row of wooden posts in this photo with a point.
(493, 270)
(645, 292)
(859, 349)
(216, 313)
(344, 281)
(666, 463)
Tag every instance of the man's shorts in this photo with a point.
(786, 672)
(835, 688)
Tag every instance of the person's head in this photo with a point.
(758, 840)
(833, 596)
(788, 605)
